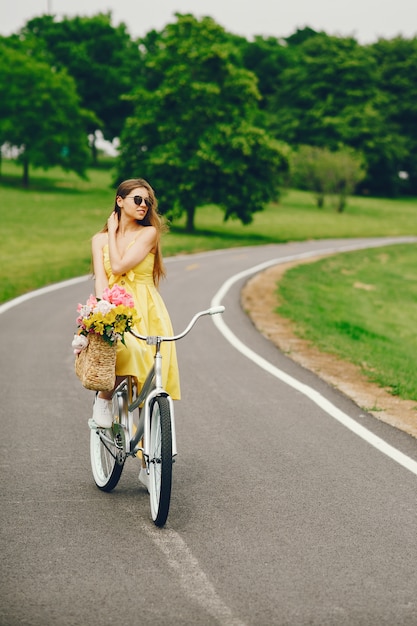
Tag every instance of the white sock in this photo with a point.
(102, 400)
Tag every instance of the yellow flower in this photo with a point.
(120, 326)
(111, 325)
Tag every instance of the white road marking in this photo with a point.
(179, 558)
(307, 391)
(40, 292)
(187, 570)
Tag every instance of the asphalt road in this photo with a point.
(290, 506)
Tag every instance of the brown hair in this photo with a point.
(152, 218)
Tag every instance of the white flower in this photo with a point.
(79, 343)
(103, 307)
(85, 311)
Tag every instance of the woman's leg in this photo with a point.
(103, 409)
(107, 395)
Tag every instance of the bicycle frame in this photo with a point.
(152, 387)
(153, 433)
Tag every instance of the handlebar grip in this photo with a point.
(216, 309)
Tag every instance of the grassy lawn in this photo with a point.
(46, 230)
(361, 306)
(46, 233)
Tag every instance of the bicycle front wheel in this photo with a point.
(107, 458)
(160, 460)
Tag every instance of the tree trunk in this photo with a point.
(320, 200)
(190, 219)
(341, 204)
(25, 172)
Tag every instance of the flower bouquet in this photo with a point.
(101, 322)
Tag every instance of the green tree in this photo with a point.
(310, 170)
(102, 59)
(327, 172)
(328, 94)
(348, 170)
(397, 80)
(327, 76)
(268, 58)
(40, 114)
(192, 133)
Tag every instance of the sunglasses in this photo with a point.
(138, 200)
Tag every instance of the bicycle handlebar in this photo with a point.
(154, 339)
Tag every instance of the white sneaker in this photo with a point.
(103, 413)
(144, 478)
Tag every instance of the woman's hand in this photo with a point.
(113, 223)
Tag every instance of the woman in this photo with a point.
(127, 252)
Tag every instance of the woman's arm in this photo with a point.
(101, 281)
(134, 254)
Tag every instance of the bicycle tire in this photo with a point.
(160, 460)
(107, 458)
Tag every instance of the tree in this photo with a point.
(192, 133)
(328, 94)
(268, 58)
(328, 75)
(310, 171)
(40, 114)
(325, 172)
(102, 59)
(348, 170)
(397, 80)
(301, 35)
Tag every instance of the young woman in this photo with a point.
(127, 252)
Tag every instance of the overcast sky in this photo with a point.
(366, 20)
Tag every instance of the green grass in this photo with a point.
(46, 230)
(46, 233)
(361, 306)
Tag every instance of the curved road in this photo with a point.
(290, 505)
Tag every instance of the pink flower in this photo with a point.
(110, 316)
(92, 302)
(117, 295)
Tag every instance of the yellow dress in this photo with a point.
(136, 358)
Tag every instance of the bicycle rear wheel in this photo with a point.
(160, 460)
(107, 457)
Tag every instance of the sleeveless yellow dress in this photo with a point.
(136, 358)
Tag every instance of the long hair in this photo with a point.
(152, 218)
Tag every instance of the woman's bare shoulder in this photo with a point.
(99, 240)
(149, 233)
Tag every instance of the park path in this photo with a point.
(281, 514)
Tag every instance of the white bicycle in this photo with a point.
(151, 435)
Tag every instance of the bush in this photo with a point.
(327, 173)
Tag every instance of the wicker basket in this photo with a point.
(95, 365)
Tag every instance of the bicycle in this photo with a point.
(152, 435)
